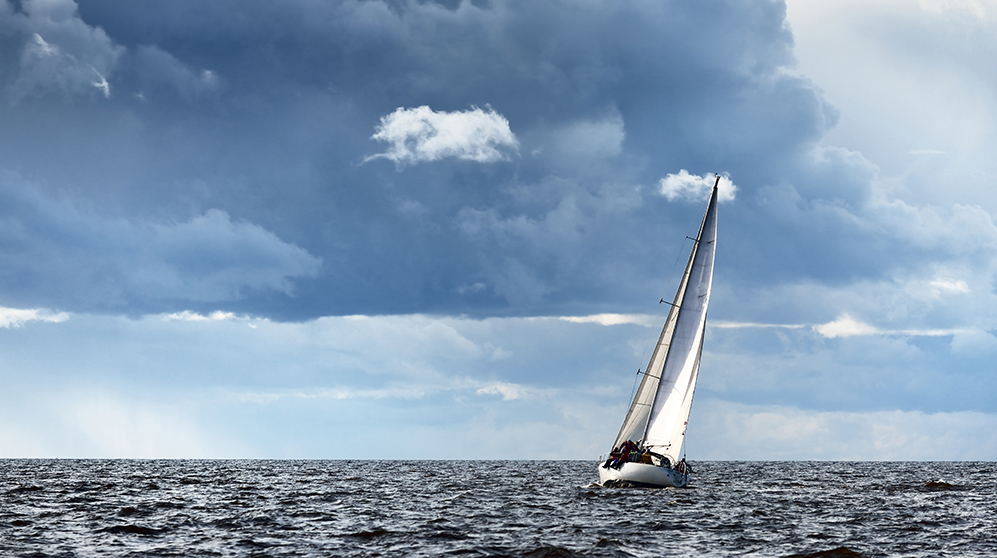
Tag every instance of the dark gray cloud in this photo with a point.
(58, 255)
(259, 118)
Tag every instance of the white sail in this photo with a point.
(660, 410)
(635, 424)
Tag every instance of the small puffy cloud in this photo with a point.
(422, 134)
(690, 187)
(15, 317)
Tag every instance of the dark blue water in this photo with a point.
(491, 508)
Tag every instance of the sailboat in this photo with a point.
(648, 448)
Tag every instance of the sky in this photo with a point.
(417, 229)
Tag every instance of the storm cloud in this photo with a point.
(352, 131)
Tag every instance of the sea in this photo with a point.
(82, 508)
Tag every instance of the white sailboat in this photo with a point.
(648, 448)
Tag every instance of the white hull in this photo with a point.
(642, 474)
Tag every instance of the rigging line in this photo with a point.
(681, 251)
(633, 390)
(678, 256)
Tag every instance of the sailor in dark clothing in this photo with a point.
(614, 457)
(621, 455)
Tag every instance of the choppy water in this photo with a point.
(491, 508)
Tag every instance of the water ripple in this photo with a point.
(491, 508)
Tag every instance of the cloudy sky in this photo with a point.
(440, 229)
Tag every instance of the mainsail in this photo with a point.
(660, 409)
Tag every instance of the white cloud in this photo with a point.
(689, 187)
(421, 134)
(14, 317)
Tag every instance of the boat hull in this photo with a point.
(642, 474)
